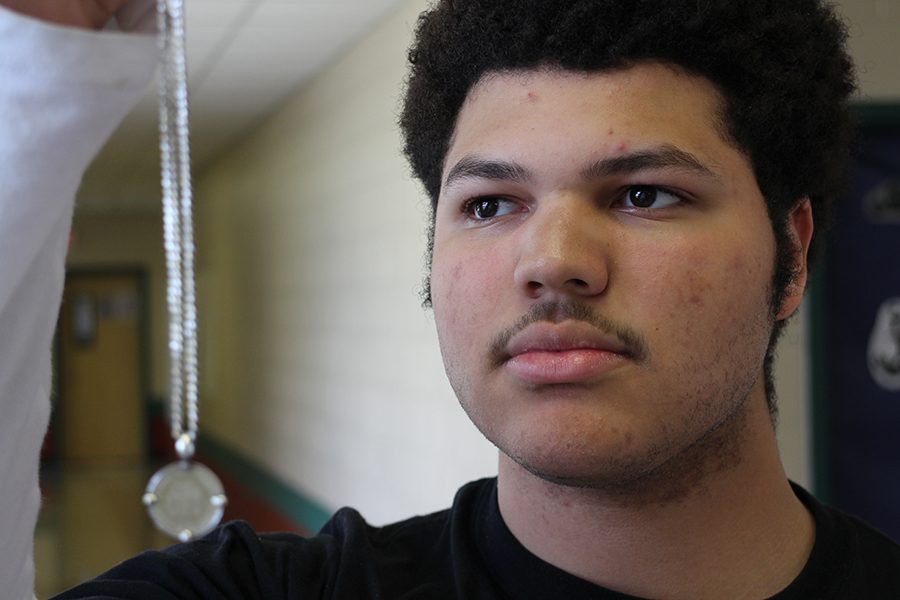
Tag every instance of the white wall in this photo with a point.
(794, 418)
(874, 27)
(318, 361)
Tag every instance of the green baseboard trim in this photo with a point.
(303, 511)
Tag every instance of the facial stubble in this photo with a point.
(670, 465)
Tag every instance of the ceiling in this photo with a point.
(245, 58)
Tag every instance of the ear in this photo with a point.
(800, 230)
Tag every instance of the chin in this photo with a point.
(582, 462)
(602, 473)
(658, 472)
(632, 484)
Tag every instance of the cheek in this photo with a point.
(463, 289)
(466, 297)
(699, 294)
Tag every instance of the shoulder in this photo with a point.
(348, 527)
(432, 555)
(348, 542)
(850, 558)
(231, 562)
(877, 557)
(422, 544)
(348, 558)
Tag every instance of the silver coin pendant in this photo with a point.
(185, 500)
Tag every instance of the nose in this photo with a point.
(563, 250)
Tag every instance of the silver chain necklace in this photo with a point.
(185, 499)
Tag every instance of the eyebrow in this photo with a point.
(473, 167)
(663, 157)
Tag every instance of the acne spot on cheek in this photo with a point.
(610, 132)
(693, 293)
(532, 97)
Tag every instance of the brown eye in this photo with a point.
(650, 197)
(485, 208)
(642, 196)
(488, 207)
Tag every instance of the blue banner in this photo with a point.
(862, 334)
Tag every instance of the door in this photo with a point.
(101, 413)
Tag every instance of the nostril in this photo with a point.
(579, 283)
(579, 274)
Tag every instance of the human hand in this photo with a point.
(91, 14)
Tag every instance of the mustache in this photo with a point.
(557, 312)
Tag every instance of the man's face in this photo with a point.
(601, 271)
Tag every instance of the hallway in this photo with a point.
(91, 518)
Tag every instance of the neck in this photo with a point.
(737, 532)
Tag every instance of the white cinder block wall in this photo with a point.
(318, 362)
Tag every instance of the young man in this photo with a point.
(626, 197)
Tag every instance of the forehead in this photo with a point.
(553, 112)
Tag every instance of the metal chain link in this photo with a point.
(178, 228)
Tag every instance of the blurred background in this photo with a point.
(321, 380)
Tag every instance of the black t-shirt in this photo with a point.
(465, 552)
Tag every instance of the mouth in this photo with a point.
(561, 353)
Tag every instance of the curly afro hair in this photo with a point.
(780, 66)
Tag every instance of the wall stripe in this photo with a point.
(306, 514)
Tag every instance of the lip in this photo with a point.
(567, 352)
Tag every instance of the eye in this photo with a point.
(649, 197)
(488, 207)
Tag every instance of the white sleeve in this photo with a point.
(63, 91)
